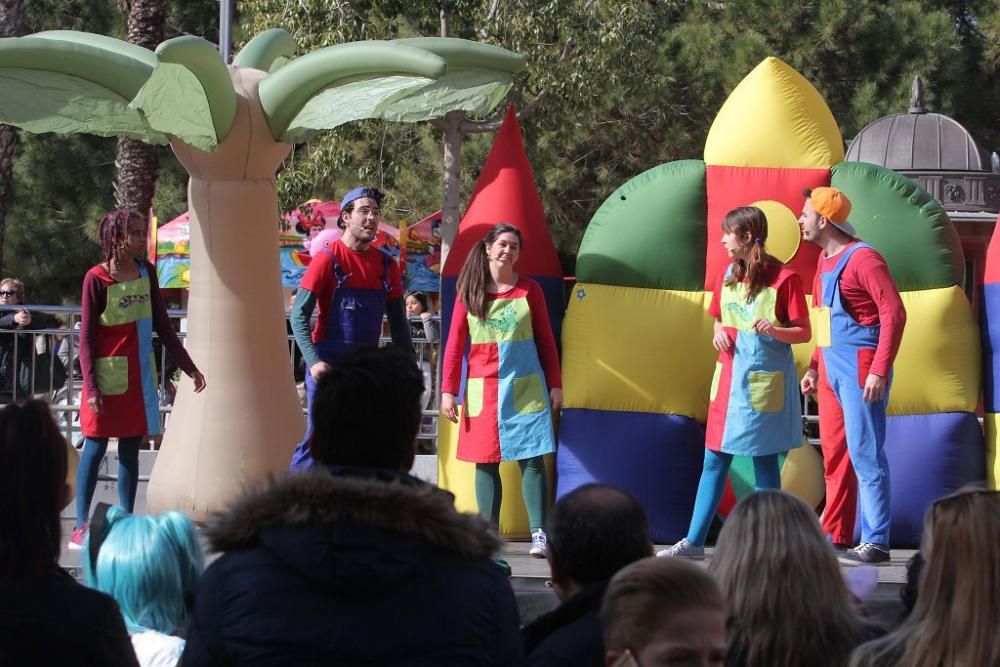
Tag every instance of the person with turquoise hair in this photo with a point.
(150, 565)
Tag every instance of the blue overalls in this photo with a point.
(353, 320)
(847, 355)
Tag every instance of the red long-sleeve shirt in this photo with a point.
(545, 342)
(870, 296)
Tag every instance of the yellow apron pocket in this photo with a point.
(112, 375)
(767, 391)
(474, 396)
(715, 381)
(528, 395)
(821, 328)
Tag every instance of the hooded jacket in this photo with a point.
(352, 567)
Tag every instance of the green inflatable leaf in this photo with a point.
(69, 82)
(905, 223)
(651, 232)
(286, 93)
(267, 51)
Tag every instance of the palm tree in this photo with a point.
(137, 162)
(231, 128)
(11, 21)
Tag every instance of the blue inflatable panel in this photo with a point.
(655, 457)
(989, 323)
(929, 456)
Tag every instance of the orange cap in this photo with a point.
(833, 205)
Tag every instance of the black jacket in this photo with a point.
(571, 635)
(56, 621)
(352, 567)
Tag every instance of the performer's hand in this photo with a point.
(199, 381)
(874, 388)
(319, 369)
(448, 407)
(721, 340)
(556, 399)
(809, 382)
(763, 327)
(95, 404)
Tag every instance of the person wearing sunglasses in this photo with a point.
(354, 285)
(16, 348)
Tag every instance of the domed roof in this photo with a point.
(918, 140)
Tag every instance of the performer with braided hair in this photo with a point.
(754, 410)
(121, 307)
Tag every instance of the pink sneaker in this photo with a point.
(79, 537)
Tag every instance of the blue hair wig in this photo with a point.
(149, 565)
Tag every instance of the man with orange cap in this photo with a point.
(859, 325)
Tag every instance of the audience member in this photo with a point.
(16, 349)
(355, 561)
(593, 531)
(788, 603)
(664, 611)
(424, 330)
(954, 619)
(150, 565)
(910, 591)
(46, 618)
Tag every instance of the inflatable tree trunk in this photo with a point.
(236, 327)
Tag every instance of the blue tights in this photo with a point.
(90, 464)
(713, 483)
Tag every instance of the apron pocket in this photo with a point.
(767, 391)
(528, 395)
(112, 375)
(474, 396)
(715, 381)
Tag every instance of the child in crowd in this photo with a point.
(121, 307)
(660, 611)
(513, 376)
(424, 330)
(150, 565)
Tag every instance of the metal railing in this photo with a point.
(53, 338)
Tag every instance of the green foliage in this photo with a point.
(640, 86)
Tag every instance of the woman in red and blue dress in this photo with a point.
(121, 307)
(514, 382)
(754, 406)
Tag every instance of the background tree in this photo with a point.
(11, 21)
(138, 163)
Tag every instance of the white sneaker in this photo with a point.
(538, 542)
(683, 549)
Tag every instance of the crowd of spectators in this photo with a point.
(356, 562)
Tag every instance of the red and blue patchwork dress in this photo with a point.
(116, 353)
(755, 407)
(512, 363)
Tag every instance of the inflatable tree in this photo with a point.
(231, 127)
(637, 354)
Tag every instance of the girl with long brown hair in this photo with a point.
(788, 603)
(760, 311)
(953, 623)
(514, 382)
(121, 307)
